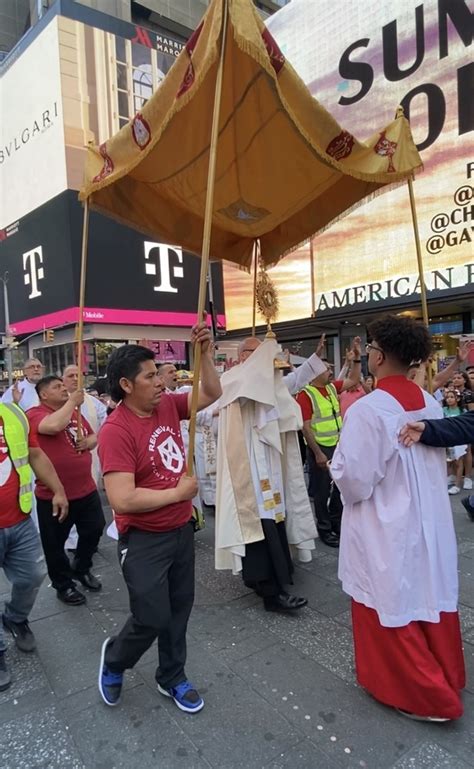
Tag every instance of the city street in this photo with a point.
(280, 691)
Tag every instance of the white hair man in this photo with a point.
(168, 375)
(24, 393)
(92, 409)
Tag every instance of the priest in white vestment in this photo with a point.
(398, 556)
(24, 393)
(262, 506)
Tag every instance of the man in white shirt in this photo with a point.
(92, 409)
(168, 375)
(33, 370)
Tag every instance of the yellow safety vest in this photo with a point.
(15, 432)
(326, 420)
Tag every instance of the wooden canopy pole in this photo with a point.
(82, 296)
(206, 238)
(421, 275)
(255, 271)
(311, 261)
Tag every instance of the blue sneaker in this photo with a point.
(110, 684)
(185, 696)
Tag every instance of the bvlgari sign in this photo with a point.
(32, 152)
(396, 288)
(37, 125)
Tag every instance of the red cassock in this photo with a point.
(418, 668)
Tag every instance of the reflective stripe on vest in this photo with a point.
(326, 419)
(15, 432)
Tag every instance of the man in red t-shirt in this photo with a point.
(21, 556)
(56, 422)
(144, 465)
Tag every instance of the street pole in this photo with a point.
(8, 349)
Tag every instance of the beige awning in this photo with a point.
(285, 168)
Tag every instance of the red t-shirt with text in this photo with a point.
(10, 513)
(152, 449)
(74, 468)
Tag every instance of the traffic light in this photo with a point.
(49, 335)
(9, 342)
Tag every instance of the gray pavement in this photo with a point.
(280, 690)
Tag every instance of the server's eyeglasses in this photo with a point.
(369, 347)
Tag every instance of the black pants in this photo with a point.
(88, 516)
(303, 447)
(158, 568)
(325, 494)
(267, 565)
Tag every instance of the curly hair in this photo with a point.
(126, 362)
(404, 339)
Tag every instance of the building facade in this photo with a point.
(361, 61)
(78, 75)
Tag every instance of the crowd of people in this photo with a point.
(369, 484)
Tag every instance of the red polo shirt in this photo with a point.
(74, 468)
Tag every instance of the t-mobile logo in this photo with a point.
(162, 266)
(33, 271)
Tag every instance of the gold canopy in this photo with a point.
(285, 168)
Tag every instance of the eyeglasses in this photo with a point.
(369, 347)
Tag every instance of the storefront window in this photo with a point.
(103, 351)
(445, 332)
(57, 357)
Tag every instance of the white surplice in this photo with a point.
(259, 469)
(29, 396)
(398, 548)
(184, 427)
(205, 455)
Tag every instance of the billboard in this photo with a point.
(77, 83)
(361, 60)
(130, 279)
(32, 159)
